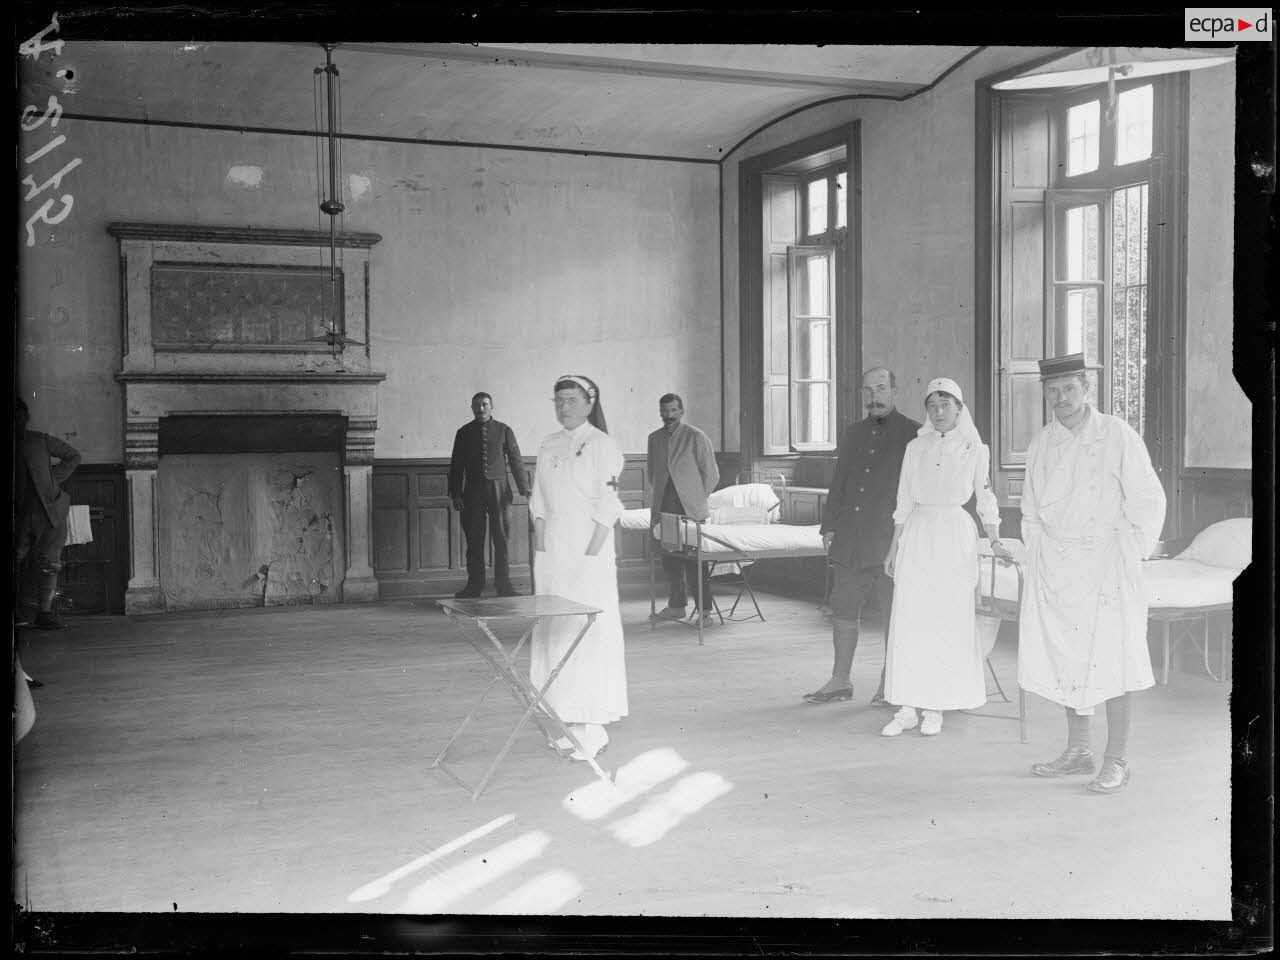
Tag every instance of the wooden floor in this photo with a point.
(278, 761)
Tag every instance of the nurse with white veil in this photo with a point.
(574, 506)
(934, 657)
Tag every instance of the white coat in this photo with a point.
(1092, 509)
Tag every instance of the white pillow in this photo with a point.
(746, 495)
(740, 515)
(1227, 543)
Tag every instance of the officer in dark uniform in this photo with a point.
(482, 452)
(857, 524)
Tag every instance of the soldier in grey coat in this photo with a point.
(683, 473)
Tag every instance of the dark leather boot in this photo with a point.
(1072, 761)
(1113, 777)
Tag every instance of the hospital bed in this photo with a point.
(742, 529)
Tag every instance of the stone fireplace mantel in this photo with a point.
(223, 322)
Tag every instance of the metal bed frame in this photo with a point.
(1006, 611)
(684, 537)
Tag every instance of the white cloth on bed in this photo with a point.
(571, 494)
(726, 516)
(747, 495)
(759, 539)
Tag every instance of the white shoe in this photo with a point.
(931, 724)
(593, 739)
(668, 613)
(904, 719)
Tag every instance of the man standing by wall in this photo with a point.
(482, 452)
(1092, 510)
(40, 508)
(683, 473)
(857, 524)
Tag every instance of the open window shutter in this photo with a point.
(1025, 157)
(780, 210)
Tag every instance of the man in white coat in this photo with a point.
(1092, 510)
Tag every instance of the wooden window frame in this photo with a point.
(848, 334)
(1166, 171)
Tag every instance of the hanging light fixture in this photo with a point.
(1107, 64)
(329, 195)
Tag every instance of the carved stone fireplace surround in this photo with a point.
(160, 380)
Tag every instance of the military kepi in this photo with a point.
(1062, 366)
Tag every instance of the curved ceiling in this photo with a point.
(682, 101)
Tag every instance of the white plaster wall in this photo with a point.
(918, 244)
(917, 229)
(1218, 414)
(498, 271)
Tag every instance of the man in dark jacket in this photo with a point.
(857, 525)
(482, 452)
(40, 508)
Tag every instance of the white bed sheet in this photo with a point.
(753, 539)
(635, 519)
(1169, 583)
(1186, 583)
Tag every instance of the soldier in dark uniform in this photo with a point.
(40, 509)
(857, 524)
(482, 452)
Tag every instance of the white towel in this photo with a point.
(79, 529)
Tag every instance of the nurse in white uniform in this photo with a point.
(574, 507)
(934, 659)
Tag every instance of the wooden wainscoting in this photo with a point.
(1210, 494)
(807, 470)
(418, 545)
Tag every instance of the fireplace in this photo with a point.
(249, 432)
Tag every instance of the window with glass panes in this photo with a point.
(1099, 231)
(812, 308)
(1082, 193)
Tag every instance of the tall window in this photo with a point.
(1099, 239)
(804, 219)
(799, 323)
(811, 270)
(1084, 223)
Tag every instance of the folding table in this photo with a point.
(474, 617)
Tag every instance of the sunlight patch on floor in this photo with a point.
(446, 888)
(599, 799)
(545, 893)
(652, 822)
(382, 886)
